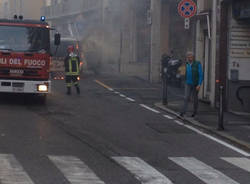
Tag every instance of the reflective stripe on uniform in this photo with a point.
(72, 73)
(69, 84)
(70, 65)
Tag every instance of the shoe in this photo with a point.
(193, 115)
(181, 114)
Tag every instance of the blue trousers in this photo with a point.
(190, 91)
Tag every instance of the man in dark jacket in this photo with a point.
(194, 79)
(72, 70)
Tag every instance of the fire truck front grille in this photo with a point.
(30, 73)
(18, 72)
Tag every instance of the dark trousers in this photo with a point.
(71, 80)
(190, 91)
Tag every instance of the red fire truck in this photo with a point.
(25, 56)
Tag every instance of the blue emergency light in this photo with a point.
(43, 18)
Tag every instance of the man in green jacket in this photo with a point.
(193, 82)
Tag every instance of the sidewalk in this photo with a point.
(237, 128)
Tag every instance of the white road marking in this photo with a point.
(116, 92)
(130, 99)
(167, 116)
(121, 95)
(214, 139)
(110, 89)
(179, 123)
(204, 172)
(242, 163)
(75, 170)
(142, 171)
(11, 172)
(149, 108)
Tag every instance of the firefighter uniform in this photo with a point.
(72, 71)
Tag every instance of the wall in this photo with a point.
(238, 74)
(28, 8)
(155, 62)
(4, 8)
(134, 30)
(111, 35)
(165, 29)
(32, 9)
(96, 23)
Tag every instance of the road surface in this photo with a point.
(109, 134)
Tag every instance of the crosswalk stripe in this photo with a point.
(11, 172)
(204, 172)
(75, 170)
(142, 171)
(242, 163)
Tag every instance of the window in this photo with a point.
(24, 38)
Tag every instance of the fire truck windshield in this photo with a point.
(24, 39)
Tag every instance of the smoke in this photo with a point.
(99, 33)
(106, 27)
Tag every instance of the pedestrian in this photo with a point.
(193, 82)
(72, 70)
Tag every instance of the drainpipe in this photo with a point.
(213, 52)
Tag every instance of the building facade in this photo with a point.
(222, 45)
(29, 9)
(152, 28)
(235, 54)
(133, 35)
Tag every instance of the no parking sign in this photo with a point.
(187, 9)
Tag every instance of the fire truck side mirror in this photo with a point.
(57, 39)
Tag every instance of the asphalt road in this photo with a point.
(109, 134)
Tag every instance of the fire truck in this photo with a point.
(25, 56)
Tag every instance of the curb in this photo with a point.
(223, 135)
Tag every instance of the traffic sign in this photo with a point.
(187, 8)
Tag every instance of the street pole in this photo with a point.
(164, 75)
(165, 91)
(121, 37)
(221, 110)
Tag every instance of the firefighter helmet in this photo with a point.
(70, 48)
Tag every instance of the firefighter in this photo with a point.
(72, 70)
